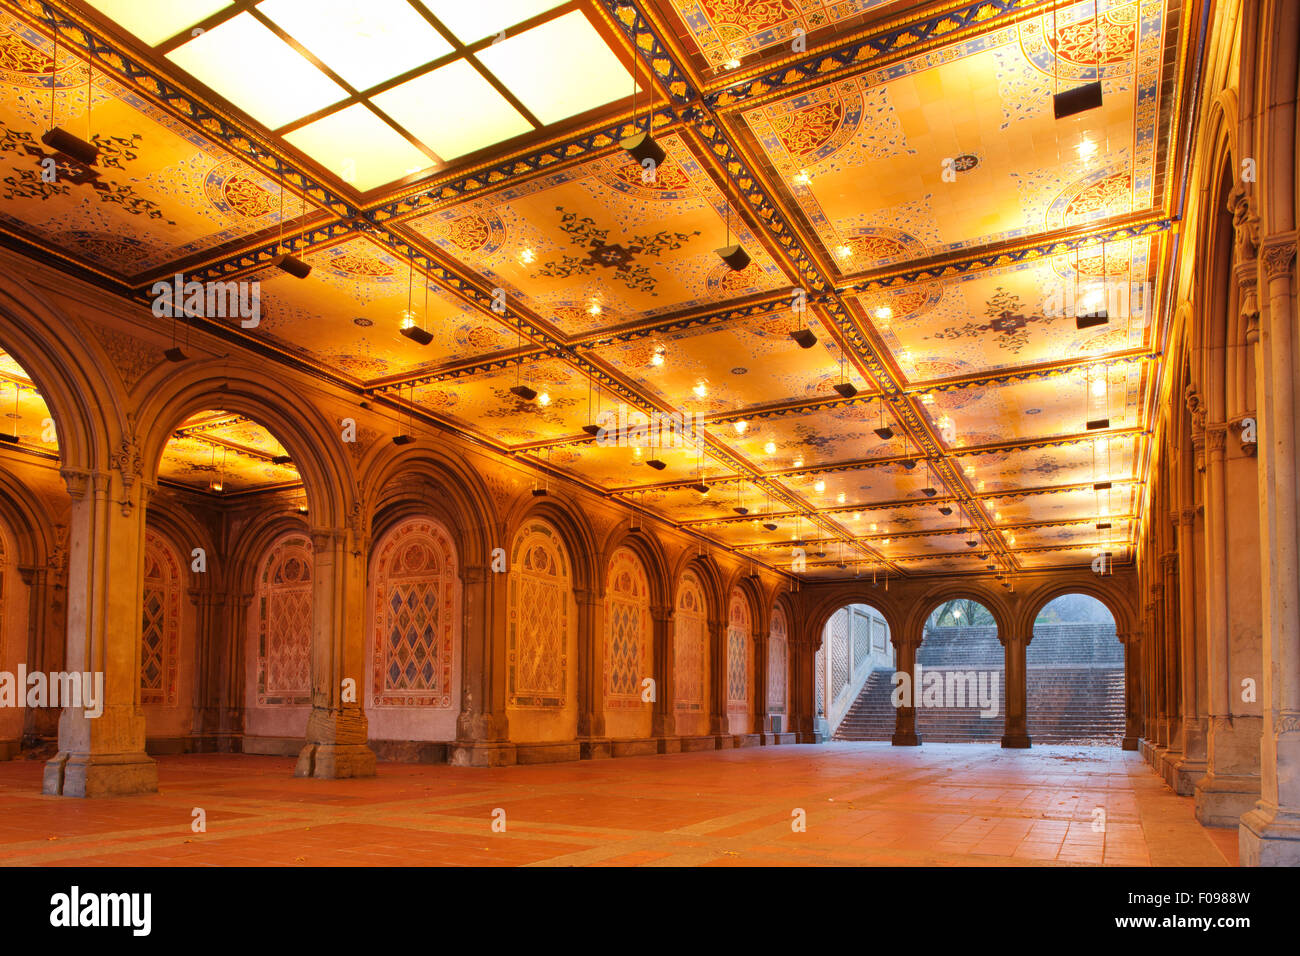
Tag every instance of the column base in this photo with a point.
(595, 748)
(478, 753)
(99, 775)
(1223, 799)
(335, 761)
(905, 740)
(1269, 836)
(1129, 743)
(1184, 773)
(1016, 741)
(804, 737)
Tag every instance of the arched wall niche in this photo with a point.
(413, 648)
(541, 634)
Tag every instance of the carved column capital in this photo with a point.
(1216, 439)
(1279, 254)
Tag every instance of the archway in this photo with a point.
(628, 646)
(690, 629)
(958, 688)
(1075, 674)
(541, 637)
(412, 685)
(853, 670)
(34, 518)
(222, 468)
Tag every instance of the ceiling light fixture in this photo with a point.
(657, 356)
(656, 464)
(770, 448)
(524, 392)
(740, 426)
(884, 431)
(1081, 98)
(59, 139)
(641, 145)
(844, 387)
(286, 261)
(733, 254)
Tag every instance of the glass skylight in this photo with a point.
(559, 69)
(315, 69)
(472, 21)
(453, 110)
(360, 147)
(257, 71)
(365, 43)
(156, 20)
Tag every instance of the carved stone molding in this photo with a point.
(1195, 406)
(1245, 223)
(78, 482)
(132, 358)
(1169, 562)
(1216, 438)
(1187, 517)
(1279, 255)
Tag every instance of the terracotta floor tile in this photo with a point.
(863, 804)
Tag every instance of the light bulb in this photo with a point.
(802, 178)
(526, 256)
(819, 486)
(884, 313)
(544, 398)
(770, 448)
(700, 389)
(740, 426)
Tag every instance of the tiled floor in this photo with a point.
(864, 803)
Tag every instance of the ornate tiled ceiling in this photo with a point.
(895, 171)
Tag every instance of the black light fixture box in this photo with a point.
(1078, 100)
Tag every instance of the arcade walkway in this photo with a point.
(866, 804)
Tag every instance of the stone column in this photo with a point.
(663, 722)
(1160, 647)
(593, 736)
(1016, 694)
(209, 615)
(1190, 764)
(482, 727)
(719, 725)
(1173, 682)
(762, 722)
(802, 695)
(101, 748)
(337, 731)
(1132, 700)
(905, 734)
(47, 629)
(1270, 833)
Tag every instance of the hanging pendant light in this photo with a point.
(58, 139)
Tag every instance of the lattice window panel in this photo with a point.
(861, 639)
(690, 624)
(777, 660)
(160, 622)
(284, 603)
(539, 619)
(839, 654)
(415, 600)
(627, 630)
(820, 665)
(738, 656)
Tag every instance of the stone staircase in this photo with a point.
(1076, 699)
